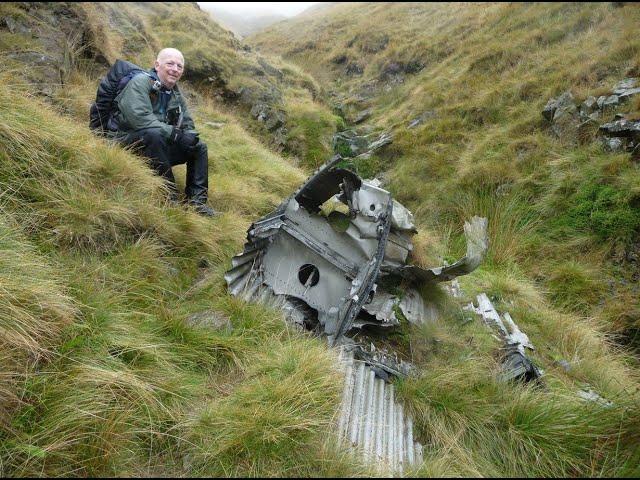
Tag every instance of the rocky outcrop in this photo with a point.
(621, 135)
(61, 36)
(569, 119)
(209, 319)
(565, 117)
(349, 143)
(396, 71)
(362, 116)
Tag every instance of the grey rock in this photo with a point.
(354, 69)
(364, 156)
(612, 144)
(549, 109)
(280, 137)
(275, 120)
(339, 59)
(564, 102)
(564, 364)
(362, 116)
(560, 107)
(272, 118)
(504, 189)
(384, 140)
(421, 119)
(209, 319)
(627, 94)
(622, 128)
(348, 143)
(259, 111)
(14, 26)
(600, 101)
(611, 101)
(589, 105)
(566, 119)
(624, 85)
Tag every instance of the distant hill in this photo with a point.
(242, 25)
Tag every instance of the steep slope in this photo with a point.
(461, 88)
(275, 101)
(122, 355)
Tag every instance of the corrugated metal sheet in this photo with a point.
(372, 422)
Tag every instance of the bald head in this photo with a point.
(166, 52)
(170, 66)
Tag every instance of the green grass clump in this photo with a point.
(310, 136)
(605, 211)
(281, 413)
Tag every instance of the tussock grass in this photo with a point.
(34, 309)
(266, 424)
(102, 371)
(313, 128)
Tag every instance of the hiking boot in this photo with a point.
(204, 210)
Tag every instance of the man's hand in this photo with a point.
(185, 139)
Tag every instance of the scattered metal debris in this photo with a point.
(320, 256)
(515, 363)
(326, 265)
(590, 395)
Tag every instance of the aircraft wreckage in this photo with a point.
(333, 256)
(326, 248)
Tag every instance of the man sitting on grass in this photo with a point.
(152, 115)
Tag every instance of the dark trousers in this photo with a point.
(163, 155)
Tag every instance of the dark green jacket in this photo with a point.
(140, 106)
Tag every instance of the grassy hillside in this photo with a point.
(59, 40)
(563, 213)
(479, 76)
(122, 354)
(104, 369)
(112, 363)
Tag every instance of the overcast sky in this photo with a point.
(288, 9)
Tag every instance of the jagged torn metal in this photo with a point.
(515, 364)
(323, 250)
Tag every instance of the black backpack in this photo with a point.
(111, 85)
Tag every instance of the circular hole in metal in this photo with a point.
(309, 275)
(372, 207)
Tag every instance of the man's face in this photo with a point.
(170, 69)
